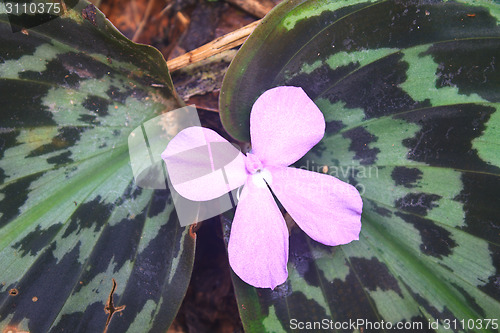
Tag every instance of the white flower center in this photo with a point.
(262, 177)
(259, 174)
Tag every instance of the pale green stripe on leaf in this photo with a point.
(310, 292)
(333, 267)
(143, 318)
(468, 259)
(492, 6)
(314, 8)
(37, 62)
(13, 266)
(443, 182)
(175, 264)
(362, 58)
(390, 305)
(390, 142)
(490, 137)
(339, 59)
(465, 266)
(309, 68)
(421, 81)
(419, 277)
(339, 112)
(271, 323)
(153, 226)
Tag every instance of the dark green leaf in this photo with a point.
(410, 91)
(71, 216)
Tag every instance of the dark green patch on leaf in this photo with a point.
(319, 80)
(308, 310)
(92, 320)
(14, 46)
(360, 141)
(22, 105)
(56, 73)
(469, 65)
(7, 140)
(378, 83)
(446, 136)
(492, 286)
(94, 214)
(161, 198)
(116, 95)
(15, 195)
(36, 240)
(373, 274)
(66, 138)
(481, 197)
(62, 158)
(97, 104)
(406, 177)
(470, 300)
(417, 203)
(436, 241)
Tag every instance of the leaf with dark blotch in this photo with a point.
(410, 92)
(72, 219)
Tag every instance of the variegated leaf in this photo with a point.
(410, 91)
(71, 216)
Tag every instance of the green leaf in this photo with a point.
(410, 91)
(71, 216)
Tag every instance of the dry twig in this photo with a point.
(226, 42)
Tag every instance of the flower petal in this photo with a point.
(258, 245)
(202, 165)
(284, 125)
(324, 207)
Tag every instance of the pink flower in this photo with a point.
(284, 125)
